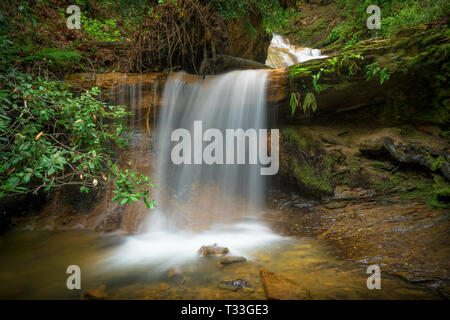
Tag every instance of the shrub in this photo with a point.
(50, 138)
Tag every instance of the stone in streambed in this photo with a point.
(230, 260)
(280, 288)
(213, 250)
(235, 284)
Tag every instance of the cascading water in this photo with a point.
(210, 193)
(283, 54)
(163, 262)
(201, 204)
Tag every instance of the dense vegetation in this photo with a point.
(52, 136)
(396, 15)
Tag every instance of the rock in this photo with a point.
(95, 294)
(235, 284)
(280, 288)
(213, 250)
(244, 45)
(231, 259)
(173, 272)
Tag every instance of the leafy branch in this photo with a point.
(50, 138)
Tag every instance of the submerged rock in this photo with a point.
(95, 294)
(280, 288)
(231, 259)
(235, 284)
(213, 250)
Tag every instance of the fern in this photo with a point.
(373, 70)
(316, 79)
(293, 102)
(310, 102)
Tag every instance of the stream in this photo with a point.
(199, 204)
(137, 266)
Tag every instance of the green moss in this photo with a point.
(437, 204)
(411, 187)
(441, 188)
(298, 70)
(417, 188)
(291, 137)
(382, 184)
(312, 181)
(436, 162)
(314, 176)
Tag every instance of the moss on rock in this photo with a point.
(304, 164)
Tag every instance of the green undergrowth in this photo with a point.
(434, 191)
(51, 138)
(307, 169)
(396, 15)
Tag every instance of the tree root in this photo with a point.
(385, 146)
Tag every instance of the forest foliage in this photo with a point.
(51, 136)
(395, 16)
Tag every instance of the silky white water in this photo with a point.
(201, 204)
(283, 54)
(235, 100)
(162, 249)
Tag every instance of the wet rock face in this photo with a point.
(280, 288)
(304, 163)
(241, 42)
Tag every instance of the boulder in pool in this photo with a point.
(213, 250)
(225, 260)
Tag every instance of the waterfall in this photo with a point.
(201, 204)
(204, 194)
(283, 54)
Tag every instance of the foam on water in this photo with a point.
(163, 248)
(219, 198)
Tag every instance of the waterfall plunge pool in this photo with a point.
(33, 265)
(197, 205)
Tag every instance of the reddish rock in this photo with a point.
(280, 288)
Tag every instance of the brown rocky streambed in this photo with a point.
(408, 239)
(283, 268)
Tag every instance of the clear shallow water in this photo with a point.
(33, 266)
